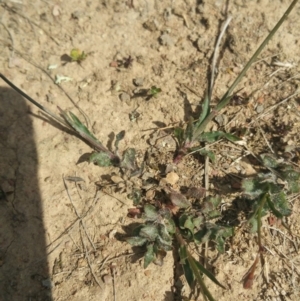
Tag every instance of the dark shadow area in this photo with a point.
(24, 271)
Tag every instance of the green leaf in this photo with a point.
(128, 161)
(101, 159)
(163, 232)
(154, 91)
(149, 231)
(77, 55)
(209, 206)
(189, 224)
(293, 187)
(150, 212)
(289, 173)
(77, 124)
(198, 277)
(269, 160)
(215, 136)
(210, 275)
(188, 273)
(205, 110)
(119, 137)
(163, 244)
(149, 256)
(203, 235)
(136, 241)
(279, 204)
(253, 224)
(170, 225)
(204, 152)
(179, 135)
(197, 221)
(188, 134)
(253, 187)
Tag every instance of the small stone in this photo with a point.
(139, 81)
(166, 40)
(150, 25)
(172, 178)
(221, 119)
(124, 97)
(116, 179)
(283, 292)
(112, 234)
(259, 109)
(77, 14)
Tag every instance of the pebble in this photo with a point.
(172, 178)
(166, 40)
(259, 109)
(139, 81)
(124, 97)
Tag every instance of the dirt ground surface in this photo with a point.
(64, 240)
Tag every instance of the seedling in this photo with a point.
(148, 93)
(77, 55)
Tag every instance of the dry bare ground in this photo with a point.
(63, 240)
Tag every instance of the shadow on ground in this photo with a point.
(23, 262)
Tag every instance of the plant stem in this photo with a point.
(54, 116)
(259, 211)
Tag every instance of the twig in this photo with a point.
(215, 57)
(112, 268)
(31, 22)
(70, 228)
(30, 61)
(57, 118)
(88, 261)
(11, 37)
(79, 217)
(275, 106)
(264, 136)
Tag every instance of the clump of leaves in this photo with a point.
(102, 156)
(77, 55)
(268, 192)
(157, 234)
(179, 221)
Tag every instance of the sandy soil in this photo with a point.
(64, 240)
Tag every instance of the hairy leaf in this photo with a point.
(128, 161)
(269, 160)
(101, 159)
(119, 137)
(149, 256)
(136, 241)
(149, 231)
(150, 212)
